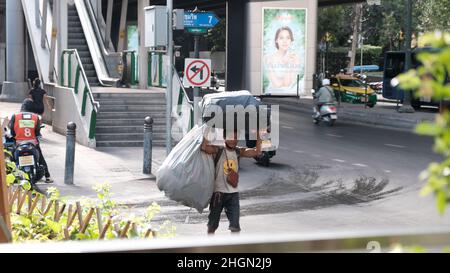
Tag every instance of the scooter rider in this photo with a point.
(324, 96)
(26, 127)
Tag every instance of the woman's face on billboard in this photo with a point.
(284, 40)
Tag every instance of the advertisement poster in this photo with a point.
(284, 51)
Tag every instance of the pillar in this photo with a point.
(15, 87)
(143, 52)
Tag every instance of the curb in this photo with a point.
(382, 120)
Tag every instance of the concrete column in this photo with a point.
(62, 32)
(109, 22)
(99, 12)
(53, 41)
(235, 44)
(15, 87)
(143, 52)
(2, 49)
(122, 28)
(44, 23)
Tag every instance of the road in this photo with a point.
(344, 178)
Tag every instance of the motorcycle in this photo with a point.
(26, 156)
(327, 114)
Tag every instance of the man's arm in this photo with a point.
(251, 153)
(208, 148)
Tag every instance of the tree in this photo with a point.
(434, 15)
(217, 36)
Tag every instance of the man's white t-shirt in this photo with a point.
(221, 184)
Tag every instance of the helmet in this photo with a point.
(326, 82)
(27, 106)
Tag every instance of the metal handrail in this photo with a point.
(191, 103)
(94, 103)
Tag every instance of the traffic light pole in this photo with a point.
(406, 107)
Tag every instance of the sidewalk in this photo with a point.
(120, 167)
(384, 114)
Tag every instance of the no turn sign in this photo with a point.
(197, 73)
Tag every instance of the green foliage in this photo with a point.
(13, 174)
(382, 25)
(40, 227)
(337, 57)
(430, 80)
(216, 36)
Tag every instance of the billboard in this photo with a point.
(284, 51)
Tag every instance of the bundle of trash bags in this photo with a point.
(187, 174)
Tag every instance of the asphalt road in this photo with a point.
(343, 178)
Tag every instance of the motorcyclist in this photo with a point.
(324, 96)
(26, 127)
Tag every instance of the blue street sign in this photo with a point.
(200, 20)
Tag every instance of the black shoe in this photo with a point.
(49, 180)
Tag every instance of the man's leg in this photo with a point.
(43, 162)
(232, 209)
(215, 209)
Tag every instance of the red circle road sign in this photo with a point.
(191, 74)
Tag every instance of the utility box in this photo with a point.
(155, 26)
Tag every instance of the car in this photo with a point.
(350, 89)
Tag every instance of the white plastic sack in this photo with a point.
(187, 174)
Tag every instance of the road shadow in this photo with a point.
(277, 195)
(328, 194)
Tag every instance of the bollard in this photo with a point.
(148, 138)
(70, 153)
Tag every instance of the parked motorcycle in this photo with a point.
(327, 114)
(26, 156)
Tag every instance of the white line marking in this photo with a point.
(331, 135)
(387, 171)
(288, 127)
(360, 165)
(299, 152)
(395, 146)
(340, 160)
(283, 148)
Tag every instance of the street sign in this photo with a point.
(197, 30)
(200, 20)
(197, 73)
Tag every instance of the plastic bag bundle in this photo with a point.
(187, 174)
(211, 103)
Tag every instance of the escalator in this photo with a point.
(83, 35)
(77, 40)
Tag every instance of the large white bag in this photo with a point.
(187, 174)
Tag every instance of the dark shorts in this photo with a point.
(229, 201)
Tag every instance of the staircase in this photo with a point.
(77, 40)
(120, 121)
